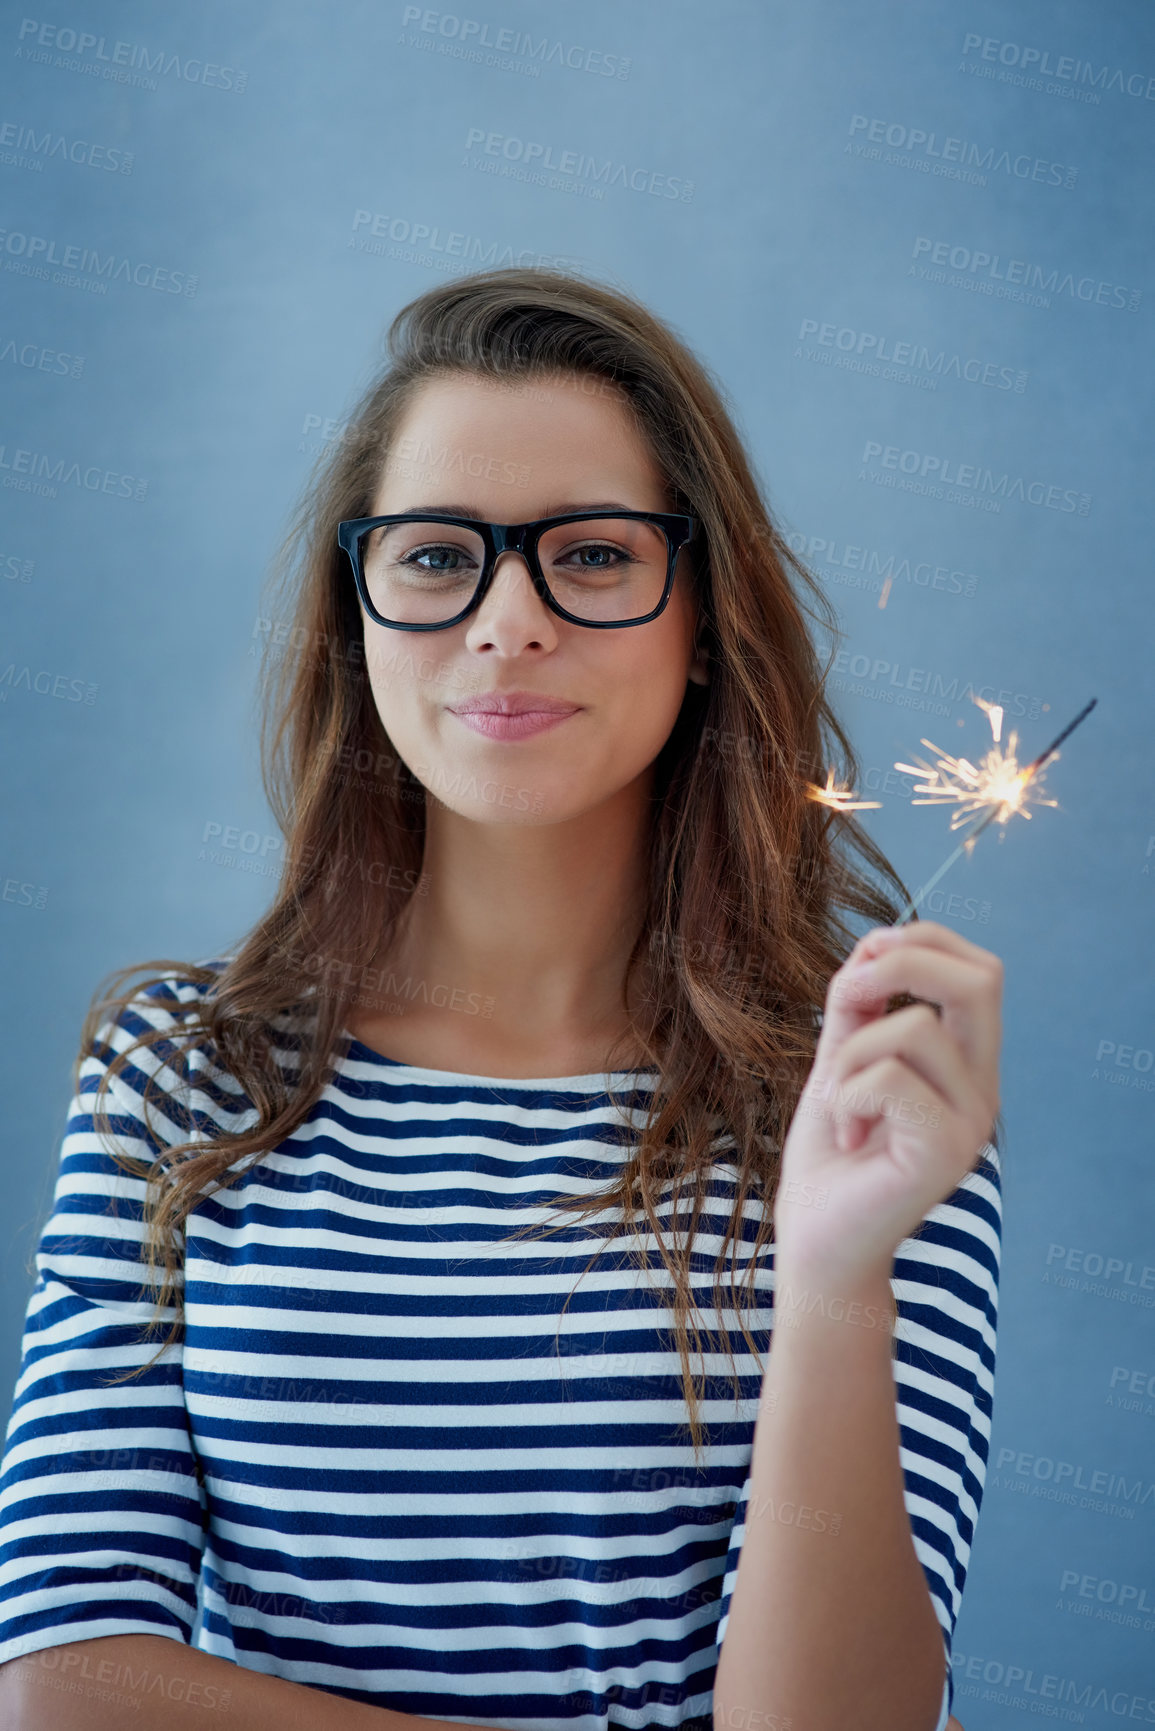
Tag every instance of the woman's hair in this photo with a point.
(750, 877)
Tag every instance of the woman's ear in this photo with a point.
(699, 669)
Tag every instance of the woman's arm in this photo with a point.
(153, 1683)
(831, 1622)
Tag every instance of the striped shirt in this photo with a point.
(389, 1458)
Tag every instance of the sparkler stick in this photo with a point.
(997, 788)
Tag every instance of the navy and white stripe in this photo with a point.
(390, 1478)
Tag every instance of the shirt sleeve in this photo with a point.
(945, 1284)
(101, 1505)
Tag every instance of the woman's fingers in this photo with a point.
(897, 1104)
(915, 1036)
(929, 963)
(921, 1060)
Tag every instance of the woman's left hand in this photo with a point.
(897, 1107)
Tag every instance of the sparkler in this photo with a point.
(992, 790)
(997, 788)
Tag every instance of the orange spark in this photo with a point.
(998, 785)
(839, 798)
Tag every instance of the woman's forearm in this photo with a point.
(831, 1621)
(153, 1683)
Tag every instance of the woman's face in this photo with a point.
(512, 454)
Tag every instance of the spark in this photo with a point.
(994, 713)
(993, 790)
(839, 798)
(997, 784)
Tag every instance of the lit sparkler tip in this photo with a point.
(997, 784)
(997, 788)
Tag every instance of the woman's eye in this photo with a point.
(441, 557)
(602, 555)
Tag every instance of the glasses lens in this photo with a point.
(421, 573)
(605, 569)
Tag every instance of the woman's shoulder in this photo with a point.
(171, 991)
(154, 1042)
(169, 1001)
(166, 988)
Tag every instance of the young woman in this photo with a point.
(551, 1081)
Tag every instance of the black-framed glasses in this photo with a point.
(597, 568)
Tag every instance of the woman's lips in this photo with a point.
(495, 726)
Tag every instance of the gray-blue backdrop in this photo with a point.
(914, 240)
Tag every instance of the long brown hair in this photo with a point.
(750, 878)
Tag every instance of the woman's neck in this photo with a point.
(515, 957)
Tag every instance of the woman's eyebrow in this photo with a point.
(556, 510)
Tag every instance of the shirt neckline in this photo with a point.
(358, 1049)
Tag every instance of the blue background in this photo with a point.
(766, 196)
